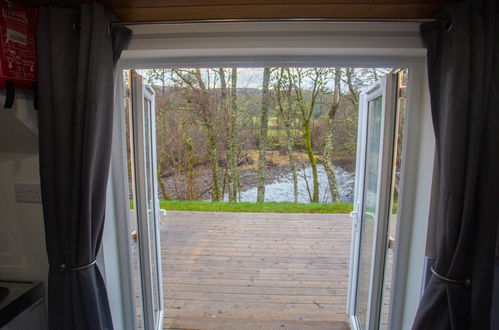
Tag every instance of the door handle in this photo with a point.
(353, 215)
(391, 242)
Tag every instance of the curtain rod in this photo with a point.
(318, 20)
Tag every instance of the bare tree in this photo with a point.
(206, 124)
(153, 76)
(286, 114)
(358, 79)
(204, 106)
(229, 107)
(233, 145)
(264, 127)
(328, 140)
(353, 91)
(316, 78)
(189, 168)
(158, 75)
(161, 144)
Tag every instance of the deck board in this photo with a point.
(255, 271)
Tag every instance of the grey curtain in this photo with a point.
(77, 51)
(463, 74)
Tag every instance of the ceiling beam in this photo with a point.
(280, 11)
(186, 10)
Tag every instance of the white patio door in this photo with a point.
(372, 201)
(143, 133)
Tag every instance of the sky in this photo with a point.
(250, 77)
(247, 78)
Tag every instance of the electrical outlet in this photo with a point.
(28, 193)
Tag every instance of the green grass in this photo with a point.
(267, 207)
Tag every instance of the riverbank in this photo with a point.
(279, 185)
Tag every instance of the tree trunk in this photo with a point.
(353, 93)
(286, 115)
(162, 186)
(189, 171)
(233, 140)
(212, 150)
(313, 161)
(239, 187)
(328, 140)
(329, 167)
(264, 127)
(292, 163)
(161, 146)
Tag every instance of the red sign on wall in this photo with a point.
(18, 44)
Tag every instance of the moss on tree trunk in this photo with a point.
(329, 167)
(328, 139)
(292, 163)
(189, 171)
(233, 172)
(313, 161)
(264, 127)
(215, 172)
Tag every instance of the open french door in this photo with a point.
(146, 238)
(372, 201)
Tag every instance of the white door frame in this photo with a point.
(140, 92)
(149, 94)
(386, 87)
(360, 44)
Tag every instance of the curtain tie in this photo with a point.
(64, 267)
(466, 282)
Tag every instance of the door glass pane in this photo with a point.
(369, 208)
(151, 204)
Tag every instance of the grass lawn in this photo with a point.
(267, 207)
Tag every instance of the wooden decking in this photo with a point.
(255, 271)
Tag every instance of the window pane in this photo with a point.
(369, 208)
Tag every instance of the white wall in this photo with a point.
(414, 200)
(22, 240)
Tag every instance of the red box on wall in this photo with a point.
(18, 44)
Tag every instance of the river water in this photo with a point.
(282, 189)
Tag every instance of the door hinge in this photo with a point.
(402, 90)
